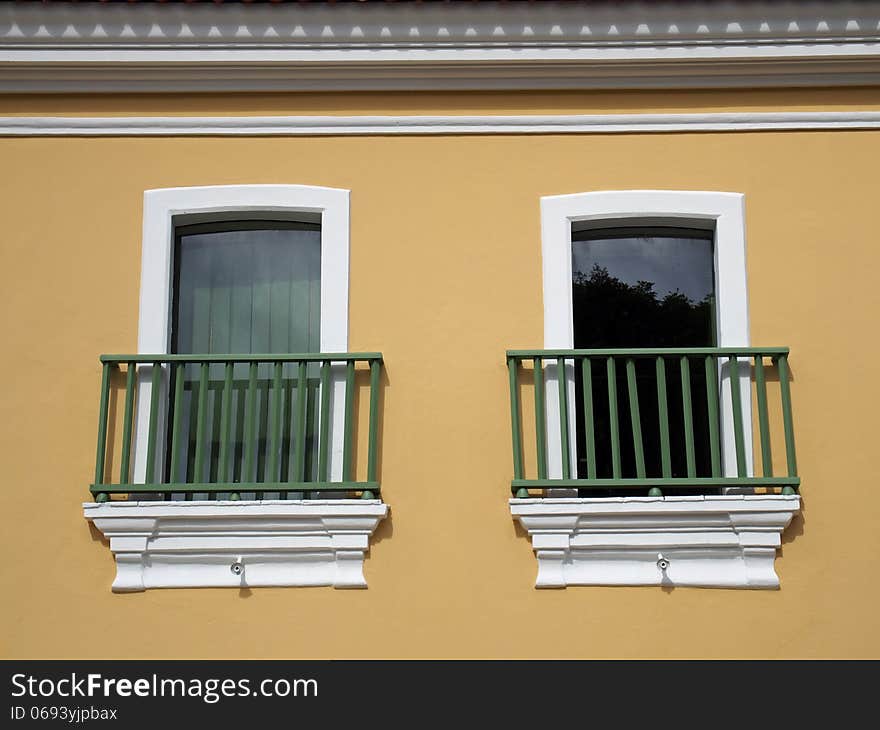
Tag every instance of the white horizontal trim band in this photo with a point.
(537, 75)
(392, 125)
(377, 56)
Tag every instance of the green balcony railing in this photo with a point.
(649, 421)
(237, 426)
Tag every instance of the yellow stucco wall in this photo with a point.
(445, 275)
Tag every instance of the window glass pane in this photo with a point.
(633, 288)
(643, 288)
(251, 290)
(241, 288)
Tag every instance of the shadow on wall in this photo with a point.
(360, 418)
(97, 535)
(795, 527)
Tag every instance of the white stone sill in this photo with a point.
(709, 541)
(195, 544)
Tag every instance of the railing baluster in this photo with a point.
(179, 370)
(124, 467)
(324, 434)
(250, 414)
(589, 419)
(372, 443)
(540, 418)
(612, 417)
(275, 429)
(515, 418)
(736, 398)
(788, 426)
(663, 418)
(225, 406)
(299, 453)
(202, 409)
(262, 435)
(103, 408)
(763, 419)
(687, 415)
(635, 417)
(152, 436)
(712, 401)
(347, 467)
(563, 417)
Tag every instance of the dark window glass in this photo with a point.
(644, 287)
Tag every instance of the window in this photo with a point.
(239, 406)
(216, 224)
(643, 399)
(639, 287)
(565, 216)
(248, 287)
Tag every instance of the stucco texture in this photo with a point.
(445, 275)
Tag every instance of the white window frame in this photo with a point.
(167, 208)
(725, 211)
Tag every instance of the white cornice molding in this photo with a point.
(275, 543)
(51, 126)
(708, 541)
(155, 47)
(768, 22)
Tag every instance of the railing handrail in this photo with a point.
(649, 352)
(238, 358)
(207, 487)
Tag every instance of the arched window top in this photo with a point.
(721, 212)
(169, 208)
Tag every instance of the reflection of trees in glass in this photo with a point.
(609, 312)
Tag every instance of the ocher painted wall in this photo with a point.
(445, 275)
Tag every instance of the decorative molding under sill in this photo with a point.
(278, 543)
(725, 541)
